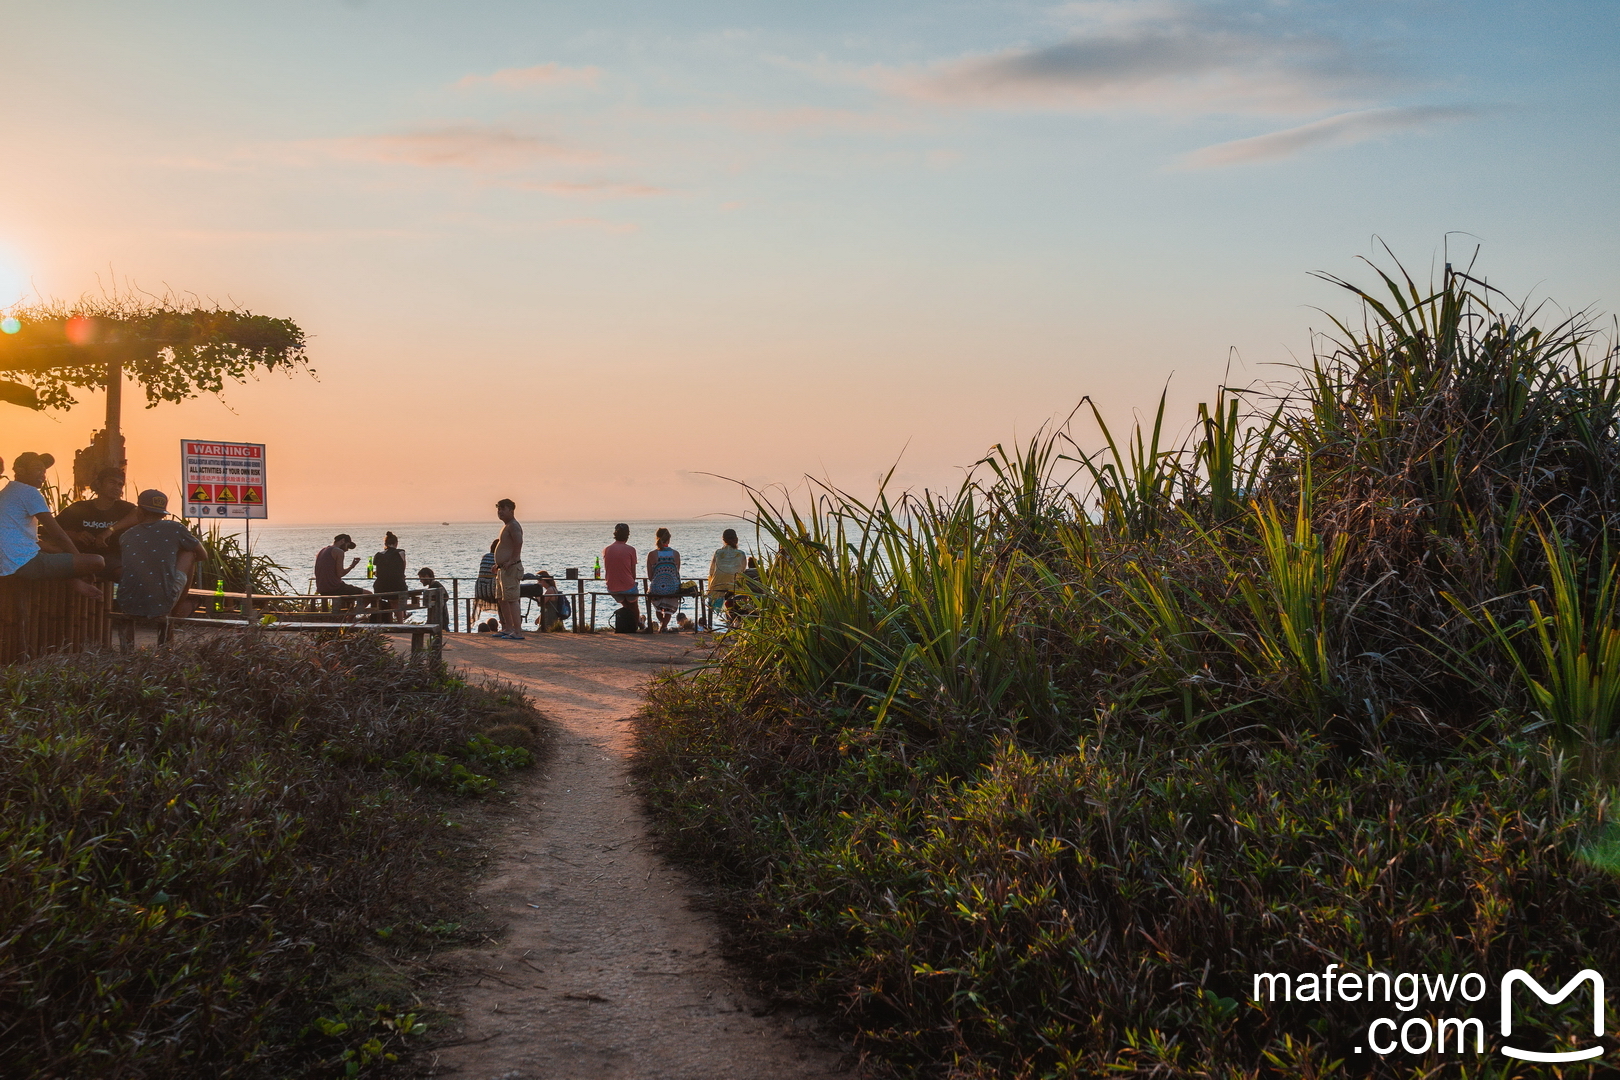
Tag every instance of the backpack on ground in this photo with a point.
(625, 621)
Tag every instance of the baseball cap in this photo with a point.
(29, 459)
(153, 501)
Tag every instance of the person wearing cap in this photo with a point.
(24, 514)
(329, 570)
(159, 554)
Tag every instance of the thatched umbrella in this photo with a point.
(172, 352)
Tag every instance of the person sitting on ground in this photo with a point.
(741, 602)
(389, 566)
(684, 624)
(330, 571)
(24, 515)
(509, 571)
(489, 626)
(726, 568)
(437, 600)
(95, 525)
(554, 606)
(159, 554)
(664, 579)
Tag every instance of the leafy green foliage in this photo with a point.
(443, 770)
(227, 562)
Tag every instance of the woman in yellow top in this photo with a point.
(726, 568)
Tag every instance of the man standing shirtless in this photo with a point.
(509, 570)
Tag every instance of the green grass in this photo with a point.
(198, 844)
(1030, 778)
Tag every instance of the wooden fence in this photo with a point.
(38, 618)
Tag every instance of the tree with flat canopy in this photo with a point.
(173, 351)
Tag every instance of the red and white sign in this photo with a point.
(223, 479)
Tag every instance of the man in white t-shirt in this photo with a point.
(23, 513)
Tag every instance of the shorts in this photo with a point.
(45, 567)
(344, 589)
(667, 601)
(509, 583)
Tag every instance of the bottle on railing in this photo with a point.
(371, 568)
(219, 595)
(596, 572)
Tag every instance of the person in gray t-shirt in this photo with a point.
(158, 557)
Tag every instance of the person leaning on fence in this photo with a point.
(484, 583)
(664, 579)
(619, 570)
(24, 515)
(96, 525)
(159, 554)
(389, 565)
(329, 571)
(726, 569)
(437, 600)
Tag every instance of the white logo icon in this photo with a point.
(1518, 975)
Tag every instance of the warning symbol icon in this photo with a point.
(251, 495)
(201, 494)
(225, 493)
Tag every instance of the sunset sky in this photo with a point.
(584, 254)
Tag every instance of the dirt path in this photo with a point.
(605, 971)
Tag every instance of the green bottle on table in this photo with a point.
(371, 570)
(597, 573)
(219, 595)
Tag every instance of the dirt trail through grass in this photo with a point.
(605, 970)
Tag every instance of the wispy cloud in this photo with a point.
(615, 228)
(528, 78)
(1162, 57)
(593, 189)
(1338, 130)
(463, 147)
(814, 118)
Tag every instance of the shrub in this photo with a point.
(192, 839)
(1031, 778)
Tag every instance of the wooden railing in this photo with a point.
(38, 618)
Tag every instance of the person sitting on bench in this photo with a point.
(24, 514)
(437, 600)
(329, 572)
(159, 554)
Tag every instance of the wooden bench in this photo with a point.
(314, 613)
(273, 623)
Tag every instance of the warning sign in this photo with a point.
(223, 479)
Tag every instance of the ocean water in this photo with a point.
(452, 549)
